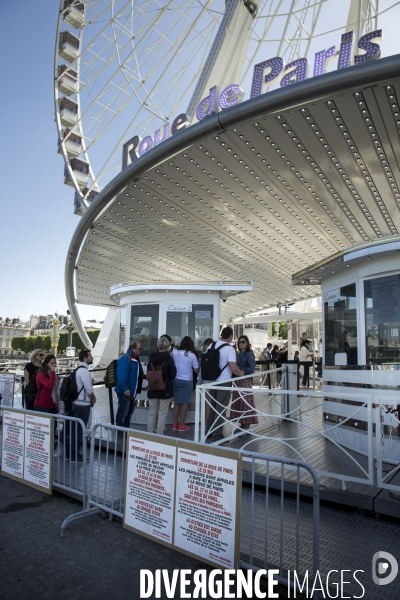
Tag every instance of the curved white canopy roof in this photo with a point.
(259, 191)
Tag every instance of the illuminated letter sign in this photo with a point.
(269, 71)
(207, 105)
(372, 51)
(298, 71)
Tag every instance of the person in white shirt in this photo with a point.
(82, 405)
(306, 356)
(221, 398)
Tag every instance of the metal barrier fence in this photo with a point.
(274, 531)
(69, 450)
(299, 425)
(270, 367)
(294, 424)
(279, 532)
(387, 444)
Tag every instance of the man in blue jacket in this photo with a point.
(129, 383)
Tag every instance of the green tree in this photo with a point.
(282, 330)
(77, 342)
(62, 343)
(18, 343)
(29, 343)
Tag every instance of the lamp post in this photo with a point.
(55, 335)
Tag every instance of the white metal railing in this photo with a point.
(387, 444)
(291, 423)
(294, 422)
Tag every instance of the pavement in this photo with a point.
(97, 559)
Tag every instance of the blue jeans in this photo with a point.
(76, 433)
(126, 406)
(306, 376)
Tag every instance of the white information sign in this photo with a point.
(12, 457)
(332, 295)
(179, 307)
(7, 381)
(37, 462)
(202, 314)
(205, 513)
(149, 504)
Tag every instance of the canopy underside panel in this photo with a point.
(261, 200)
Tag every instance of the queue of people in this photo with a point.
(41, 394)
(172, 372)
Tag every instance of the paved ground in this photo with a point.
(97, 559)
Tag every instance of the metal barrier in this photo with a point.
(207, 403)
(69, 466)
(272, 525)
(270, 366)
(387, 443)
(291, 424)
(106, 484)
(275, 525)
(68, 475)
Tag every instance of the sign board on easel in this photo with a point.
(38, 451)
(12, 454)
(7, 384)
(27, 448)
(150, 486)
(185, 496)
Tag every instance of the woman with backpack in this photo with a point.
(186, 363)
(161, 371)
(46, 383)
(31, 368)
(243, 410)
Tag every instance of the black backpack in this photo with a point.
(210, 369)
(31, 389)
(69, 390)
(110, 378)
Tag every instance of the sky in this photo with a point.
(37, 220)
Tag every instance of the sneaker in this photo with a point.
(175, 427)
(183, 428)
(57, 454)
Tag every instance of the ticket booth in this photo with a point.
(149, 310)
(361, 344)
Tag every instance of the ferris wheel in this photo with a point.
(125, 68)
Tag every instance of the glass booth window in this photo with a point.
(340, 313)
(144, 326)
(382, 320)
(197, 324)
